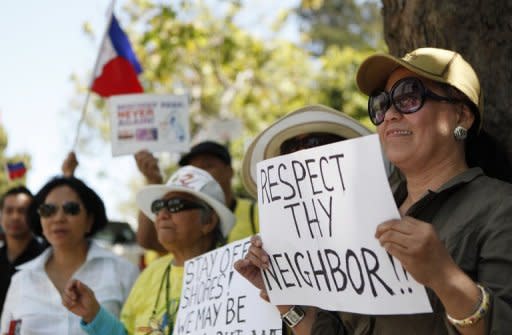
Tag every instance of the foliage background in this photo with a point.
(195, 47)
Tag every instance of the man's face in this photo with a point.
(13, 218)
(219, 170)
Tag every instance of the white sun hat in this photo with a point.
(193, 181)
(309, 119)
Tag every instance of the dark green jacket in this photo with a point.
(472, 215)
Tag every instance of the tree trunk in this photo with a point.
(480, 30)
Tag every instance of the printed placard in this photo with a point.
(158, 123)
(216, 300)
(319, 209)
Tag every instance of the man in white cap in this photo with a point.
(214, 158)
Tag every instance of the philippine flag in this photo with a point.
(117, 66)
(15, 170)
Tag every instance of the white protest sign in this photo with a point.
(149, 121)
(216, 300)
(221, 131)
(318, 211)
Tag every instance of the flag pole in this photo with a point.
(110, 12)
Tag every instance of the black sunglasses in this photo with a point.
(309, 141)
(69, 208)
(175, 205)
(407, 95)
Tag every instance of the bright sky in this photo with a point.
(42, 45)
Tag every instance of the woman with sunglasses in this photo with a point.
(190, 219)
(455, 234)
(67, 213)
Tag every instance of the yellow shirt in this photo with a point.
(137, 311)
(246, 222)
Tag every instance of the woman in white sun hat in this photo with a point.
(191, 218)
(304, 128)
(307, 127)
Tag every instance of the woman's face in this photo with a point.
(66, 227)
(181, 229)
(413, 141)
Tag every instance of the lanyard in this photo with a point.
(157, 328)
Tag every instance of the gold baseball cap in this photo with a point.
(440, 65)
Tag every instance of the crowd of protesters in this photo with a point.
(454, 233)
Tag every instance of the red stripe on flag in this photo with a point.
(16, 170)
(118, 77)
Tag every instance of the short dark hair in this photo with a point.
(207, 148)
(91, 200)
(15, 191)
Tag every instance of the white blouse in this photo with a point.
(33, 299)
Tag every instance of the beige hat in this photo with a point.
(439, 65)
(309, 119)
(196, 182)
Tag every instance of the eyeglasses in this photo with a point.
(308, 141)
(69, 208)
(175, 205)
(407, 95)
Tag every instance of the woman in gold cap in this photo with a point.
(455, 231)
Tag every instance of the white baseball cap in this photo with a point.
(193, 181)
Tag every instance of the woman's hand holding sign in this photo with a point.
(255, 260)
(250, 267)
(416, 245)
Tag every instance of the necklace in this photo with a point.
(155, 326)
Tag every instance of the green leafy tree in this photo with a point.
(228, 72)
(336, 85)
(353, 23)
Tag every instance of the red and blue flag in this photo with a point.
(117, 66)
(16, 170)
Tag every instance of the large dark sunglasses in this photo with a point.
(175, 205)
(407, 95)
(69, 208)
(309, 141)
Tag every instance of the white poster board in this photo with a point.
(216, 300)
(318, 211)
(158, 123)
(221, 131)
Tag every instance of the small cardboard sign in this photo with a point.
(216, 300)
(158, 123)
